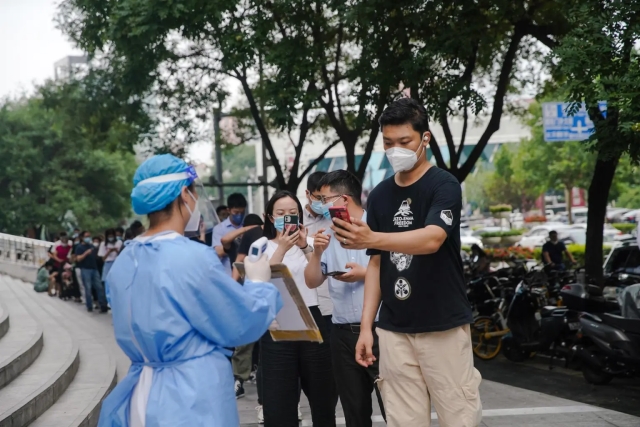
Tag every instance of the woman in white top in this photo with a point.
(109, 250)
(287, 365)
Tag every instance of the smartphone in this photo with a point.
(257, 249)
(340, 212)
(335, 273)
(291, 223)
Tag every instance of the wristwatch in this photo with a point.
(307, 249)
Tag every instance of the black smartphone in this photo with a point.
(335, 273)
(291, 223)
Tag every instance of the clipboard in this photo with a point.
(295, 322)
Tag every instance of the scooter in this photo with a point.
(534, 327)
(609, 346)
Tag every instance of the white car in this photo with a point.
(537, 236)
(631, 216)
(609, 231)
(467, 238)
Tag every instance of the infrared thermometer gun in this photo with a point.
(257, 249)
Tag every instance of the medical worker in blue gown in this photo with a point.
(175, 309)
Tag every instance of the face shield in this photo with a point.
(203, 217)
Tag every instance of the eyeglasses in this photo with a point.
(324, 199)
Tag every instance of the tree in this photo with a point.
(57, 161)
(597, 61)
(625, 189)
(462, 58)
(542, 165)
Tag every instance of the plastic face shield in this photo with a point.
(204, 217)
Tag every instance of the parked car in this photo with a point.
(579, 215)
(615, 214)
(578, 236)
(621, 268)
(631, 216)
(467, 238)
(538, 235)
(609, 230)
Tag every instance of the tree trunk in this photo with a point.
(568, 198)
(598, 197)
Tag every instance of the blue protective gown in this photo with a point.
(174, 309)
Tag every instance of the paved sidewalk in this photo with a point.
(503, 406)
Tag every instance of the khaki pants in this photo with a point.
(435, 367)
(241, 362)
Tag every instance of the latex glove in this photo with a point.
(259, 271)
(274, 326)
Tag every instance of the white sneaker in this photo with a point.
(299, 413)
(260, 414)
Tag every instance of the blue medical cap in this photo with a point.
(154, 196)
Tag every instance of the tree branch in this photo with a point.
(435, 149)
(319, 158)
(498, 102)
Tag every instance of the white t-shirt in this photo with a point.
(108, 245)
(313, 224)
(296, 262)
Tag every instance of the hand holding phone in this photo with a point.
(340, 212)
(335, 273)
(291, 223)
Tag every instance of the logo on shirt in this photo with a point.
(446, 217)
(404, 217)
(401, 261)
(402, 289)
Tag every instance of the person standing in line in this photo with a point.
(109, 250)
(237, 209)
(288, 365)
(412, 234)
(223, 212)
(316, 217)
(87, 260)
(241, 359)
(60, 253)
(355, 383)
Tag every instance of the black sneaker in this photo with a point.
(239, 389)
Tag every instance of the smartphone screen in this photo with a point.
(340, 212)
(335, 273)
(291, 223)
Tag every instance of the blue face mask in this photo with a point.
(316, 206)
(118, 237)
(278, 223)
(237, 218)
(325, 210)
(88, 240)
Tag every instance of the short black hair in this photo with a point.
(85, 232)
(313, 181)
(406, 111)
(136, 225)
(236, 200)
(119, 230)
(221, 208)
(553, 232)
(343, 182)
(252, 219)
(109, 232)
(62, 234)
(269, 229)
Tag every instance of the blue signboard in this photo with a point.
(559, 126)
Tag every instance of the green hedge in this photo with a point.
(500, 208)
(576, 250)
(625, 227)
(503, 233)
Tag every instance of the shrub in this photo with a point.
(492, 234)
(625, 227)
(502, 233)
(505, 254)
(500, 208)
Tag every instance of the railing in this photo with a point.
(23, 251)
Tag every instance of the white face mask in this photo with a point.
(402, 159)
(194, 221)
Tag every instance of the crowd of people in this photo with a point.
(383, 282)
(78, 265)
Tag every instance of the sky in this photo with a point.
(30, 44)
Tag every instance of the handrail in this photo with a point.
(23, 250)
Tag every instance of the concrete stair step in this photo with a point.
(39, 386)
(4, 319)
(79, 405)
(22, 340)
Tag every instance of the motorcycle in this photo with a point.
(610, 344)
(536, 327)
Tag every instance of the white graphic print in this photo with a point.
(446, 217)
(402, 289)
(404, 217)
(400, 260)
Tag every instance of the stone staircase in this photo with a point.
(54, 372)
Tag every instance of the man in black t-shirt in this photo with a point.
(415, 275)
(553, 250)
